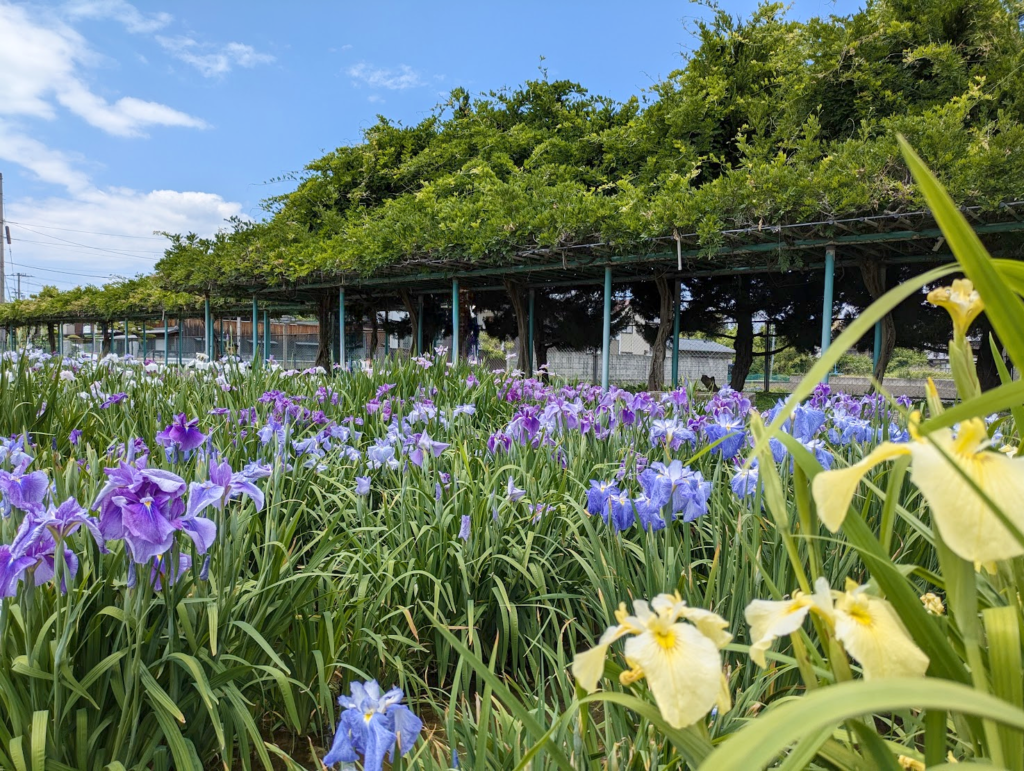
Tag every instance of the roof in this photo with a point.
(692, 345)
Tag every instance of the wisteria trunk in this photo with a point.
(656, 373)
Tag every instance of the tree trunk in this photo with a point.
(51, 334)
(744, 345)
(106, 337)
(873, 273)
(519, 308)
(373, 334)
(414, 320)
(656, 374)
(323, 334)
(988, 375)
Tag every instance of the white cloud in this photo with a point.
(380, 77)
(93, 235)
(213, 62)
(375, 99)
(41, 69)
(85, 233)
(118, 10)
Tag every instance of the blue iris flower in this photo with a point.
(371, 725)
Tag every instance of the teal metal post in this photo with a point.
(207, 330)
(255, 331)
(126, 337)
(341, 329)
(675, 335)
(419, 327)
(266, 335)
(606, 333)
(181, 337)
(95, 352)
(387, 334)
(167, 340)
(455, 320)
(826, 300)
(877, 352)
(144, 341)
(531, 303)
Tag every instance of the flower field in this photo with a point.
(432, 566)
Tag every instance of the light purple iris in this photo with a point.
(727, 429)
(182, 434)
(23, 491)
(362, 485)
(744, 482)
(682, 489)
(33, 553)
(222, 486)
(372, 725)
(597, 496)
(146, 507)
(423, 446)
(65, 519)
(514, 493)
(467, 522)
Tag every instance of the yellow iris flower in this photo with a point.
(964, 519)
(681, 661)
(962, 301)
(867, 626)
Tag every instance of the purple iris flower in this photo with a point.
(23, 491)
(113, 399)
(222, 486)
(648, 512)
(597, 496)
(381, 454)
(820, 450)
(362, 485)
(74, 436)
(146, 507)
(819, 397)
(619, 512)
(729, 429)
(499, 442)
(65, 519)
(13, 566)
(744, 482)
(807, 421)
(514, 493)
(33, 552)
(182, 434)
(467, 522)
(423, 447)
(670, 432)
(677, 486)
(371, 725)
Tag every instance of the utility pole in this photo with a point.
(3, 233)
(19, 276)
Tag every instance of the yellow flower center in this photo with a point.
(859, 613)
(666, 639)
(367, 716)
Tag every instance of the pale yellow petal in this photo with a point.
(873, 634)
(683, 669)
(588, 666)
(833, 490)
(769, 620)
(964, 520)
(711, 625)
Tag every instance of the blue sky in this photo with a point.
(118, 120)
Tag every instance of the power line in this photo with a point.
(86, 246)
(74, 250)
(87, 232)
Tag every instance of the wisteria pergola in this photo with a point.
(880, 240)
(871, 242)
